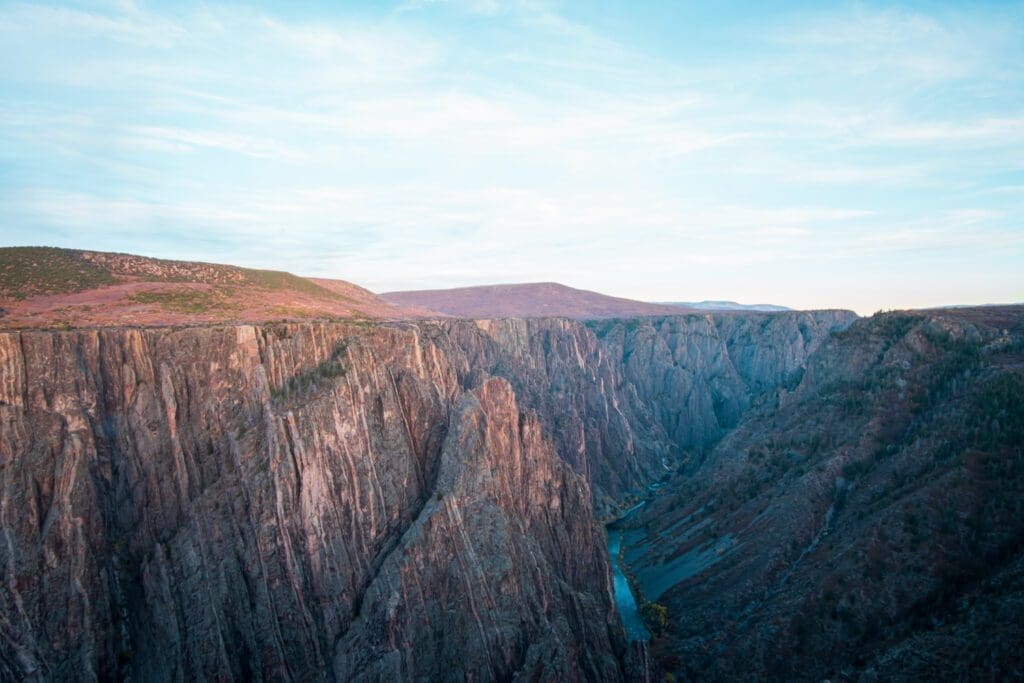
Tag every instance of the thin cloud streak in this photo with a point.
(443, 143)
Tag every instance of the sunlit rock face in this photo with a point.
(505, 554)
(210, 502)
(330, 500)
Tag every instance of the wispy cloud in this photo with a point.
(127, 25)
(156, 138)
(446, 142)
(489, 7)
(993, 130)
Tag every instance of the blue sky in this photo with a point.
(811, 154)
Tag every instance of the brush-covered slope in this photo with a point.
(866, 524)
(531, 300)
(50, 287)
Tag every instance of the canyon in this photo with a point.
(349, 500)
(811, 495)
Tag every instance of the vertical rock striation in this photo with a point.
(177, 506)
(505, 555)
(697, 375)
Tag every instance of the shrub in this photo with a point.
(656, 616)
(30, 271)
(327, 369)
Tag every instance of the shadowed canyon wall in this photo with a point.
(866, 525)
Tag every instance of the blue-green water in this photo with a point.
(635, 628)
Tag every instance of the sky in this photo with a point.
(858, 155)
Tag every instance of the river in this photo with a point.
(624, 600)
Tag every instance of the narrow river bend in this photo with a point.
(624, 599)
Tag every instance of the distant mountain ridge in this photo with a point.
(527, 300)
(727, 306)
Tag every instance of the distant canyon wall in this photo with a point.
(866, 525)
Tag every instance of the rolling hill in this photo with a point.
(528, 300)
(51, 287)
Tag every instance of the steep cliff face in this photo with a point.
(867, 526)
(505, 554)
(626, 402)
(560, 370)
(215, 503)
(169, 513)
(697, 375)
(323, 500)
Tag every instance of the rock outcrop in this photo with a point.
(626, 402)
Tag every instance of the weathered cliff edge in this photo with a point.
(330, 500)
